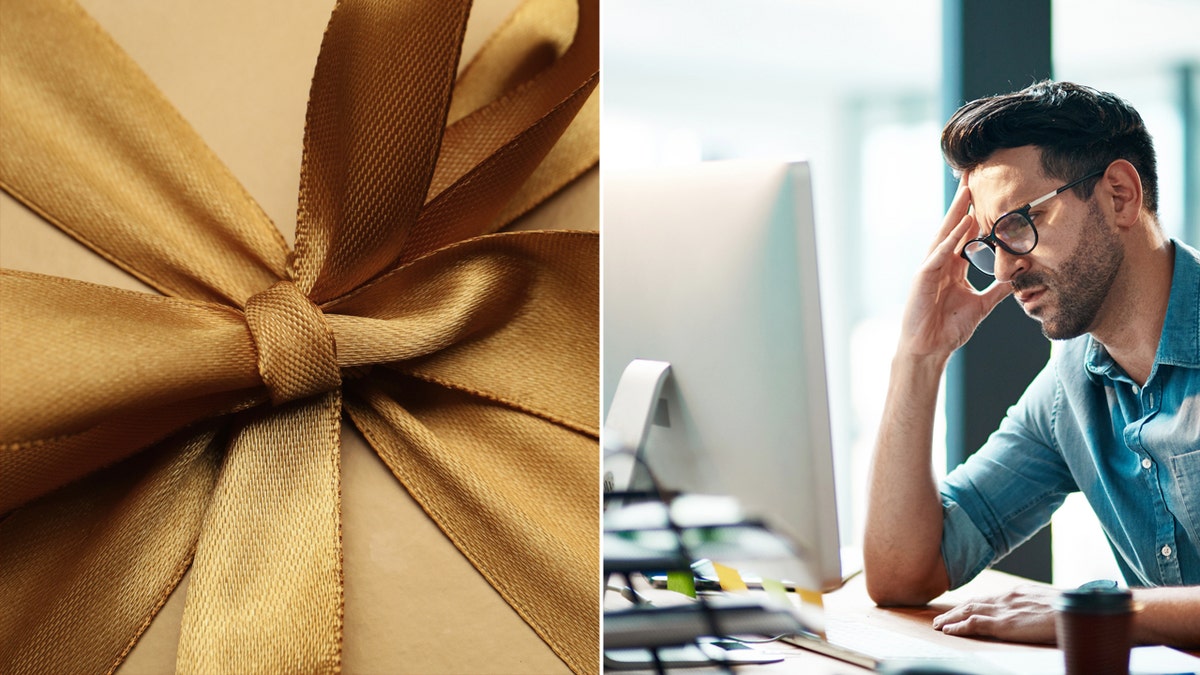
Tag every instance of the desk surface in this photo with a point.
(851, 604)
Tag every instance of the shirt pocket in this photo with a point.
(1185, 469)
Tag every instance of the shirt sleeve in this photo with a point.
(1007, 491)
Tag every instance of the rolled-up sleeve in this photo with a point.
(965, 551)
(1007, 491)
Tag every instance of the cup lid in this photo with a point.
(1095, 599)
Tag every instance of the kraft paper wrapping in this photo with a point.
(239, 73)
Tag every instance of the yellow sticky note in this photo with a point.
(812, 609)
(729, 578)
(810, 597)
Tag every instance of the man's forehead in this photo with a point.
(1008, 179)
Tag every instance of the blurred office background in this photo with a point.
(861, 88)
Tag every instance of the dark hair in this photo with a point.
(1077, 129)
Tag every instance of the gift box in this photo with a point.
(433, 335)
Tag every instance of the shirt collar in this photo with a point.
(1097, 362)
(1179, 344)
(1180, 341)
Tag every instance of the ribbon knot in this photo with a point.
(297, 356)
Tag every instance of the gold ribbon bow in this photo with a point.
(143, 435)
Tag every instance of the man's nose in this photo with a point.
(1009, 266)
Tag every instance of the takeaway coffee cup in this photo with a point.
(1095, 627)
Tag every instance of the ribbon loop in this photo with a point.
(297, 356)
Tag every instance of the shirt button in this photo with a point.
(1146, 464)
(1166, 551)
(1134, 387)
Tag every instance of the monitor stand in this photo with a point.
(633, 405)
(627, 425)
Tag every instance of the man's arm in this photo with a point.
(1169, 615)
(902, 547)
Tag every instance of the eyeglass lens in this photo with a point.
(1016, 232)
(982, 256)
(1013, 231)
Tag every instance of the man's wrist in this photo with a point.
(907, 360)
(1168, 615)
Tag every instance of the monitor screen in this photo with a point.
(712, 269)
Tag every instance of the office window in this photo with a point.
(851, 86)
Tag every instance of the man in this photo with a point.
(1058, 201)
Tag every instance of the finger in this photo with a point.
(976, 624)
(953, 241)
(982, 605)
(995, 293)
(959, 207)
(956, 614)
(941, 620)
(961, 204)
(968, 230)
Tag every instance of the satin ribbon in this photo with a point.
(143, 435)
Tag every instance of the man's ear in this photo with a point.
(1122, 185)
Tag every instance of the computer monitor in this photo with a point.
(712, 268)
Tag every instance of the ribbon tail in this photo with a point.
(515, 493)
(98, 558)
(265, 595)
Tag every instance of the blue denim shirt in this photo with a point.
(1084, 425)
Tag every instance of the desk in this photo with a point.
(851, 604)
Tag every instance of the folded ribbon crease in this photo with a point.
(145, 435)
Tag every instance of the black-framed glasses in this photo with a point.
(1014, 232)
